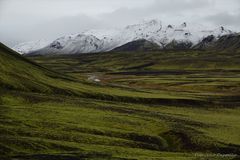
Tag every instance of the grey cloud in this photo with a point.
(225, 19)
(168, 11)
(178, 5)
(33, 19)
(67, 25)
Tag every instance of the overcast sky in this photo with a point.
(27, 20)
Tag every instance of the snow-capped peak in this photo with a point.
(92, 41)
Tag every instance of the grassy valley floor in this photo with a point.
(156, 105)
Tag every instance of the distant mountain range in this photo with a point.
(148, 35)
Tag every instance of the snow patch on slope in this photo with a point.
(25, 48)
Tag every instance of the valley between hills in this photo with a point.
(164, 105)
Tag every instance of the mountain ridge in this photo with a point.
(165, 36)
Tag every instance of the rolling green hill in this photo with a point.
(19, 73)
(144, 106)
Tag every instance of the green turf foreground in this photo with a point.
(136, 111)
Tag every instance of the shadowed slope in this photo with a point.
(139, 45)
(18, 73)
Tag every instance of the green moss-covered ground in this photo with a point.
(159, 105)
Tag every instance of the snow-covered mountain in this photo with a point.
(27, 47)
(73, 44)
(155, 31)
